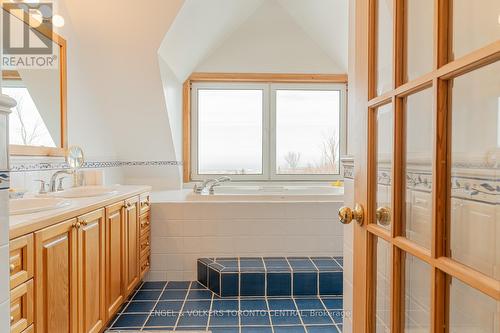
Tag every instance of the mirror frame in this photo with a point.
(21, 150)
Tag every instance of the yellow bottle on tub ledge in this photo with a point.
(337, 183)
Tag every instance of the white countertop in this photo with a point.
(27, 223)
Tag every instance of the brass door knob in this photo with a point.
(346, 214)
(383, 216)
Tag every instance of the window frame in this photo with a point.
(289, 81)
(195, 175)
(342, 88)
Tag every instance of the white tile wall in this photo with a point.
(25, 180)
(183, 232)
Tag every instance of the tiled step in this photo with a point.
(272, 276)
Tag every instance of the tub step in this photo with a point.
(272, 276)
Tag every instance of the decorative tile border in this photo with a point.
(349, 171)
(44, 166)
(481, 187)
(4, 180)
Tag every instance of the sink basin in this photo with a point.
(34, 205)
(84, 191)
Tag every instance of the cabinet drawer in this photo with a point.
(145, 222)
(145, 244)
(145, 263)
(144, 203)
(21, 260)
(21, 307)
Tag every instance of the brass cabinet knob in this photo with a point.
(383, 216)
(77, 225)
(84, 223)
(346, 214)
(12, 267)
(11, 319)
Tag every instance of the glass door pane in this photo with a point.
(475, 25)
(475, 218)
(384, 45)
(419, 148)
(385, 140)
(383, 285)
(472, 311)
(420, 37)
(417, 295)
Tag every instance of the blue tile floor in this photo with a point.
(189, 306)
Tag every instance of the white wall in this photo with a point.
(270, 41)
(116, 101)
(182, 232)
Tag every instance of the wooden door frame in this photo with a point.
(364, 102)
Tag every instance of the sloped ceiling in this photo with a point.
(198, 28)
(269, 41)
(202, 26)
(326, 22)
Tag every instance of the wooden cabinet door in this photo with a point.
(91, 274)
(115, 257)
(56, 279)
(132, 252)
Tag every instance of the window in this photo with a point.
(254, 131)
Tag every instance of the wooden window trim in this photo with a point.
(234, 78)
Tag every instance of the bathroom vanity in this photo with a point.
(72, 268)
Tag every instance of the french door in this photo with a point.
(425, 107)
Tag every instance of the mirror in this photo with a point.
(37, 125)
(75, 157)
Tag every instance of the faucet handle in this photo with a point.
(60, 184)
(43, 186)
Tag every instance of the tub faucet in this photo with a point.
(210, 184)
(217, 182)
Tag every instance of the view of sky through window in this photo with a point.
(230, 131)
(26, 125)
(233, 137)
(307, 132)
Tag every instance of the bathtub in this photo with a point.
(259, 194)
(244, 221)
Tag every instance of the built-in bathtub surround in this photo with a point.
(183, 231)
(272, 276)
(6, 103)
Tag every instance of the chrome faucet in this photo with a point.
(209, 184)
(53, 180)
(217, 182)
